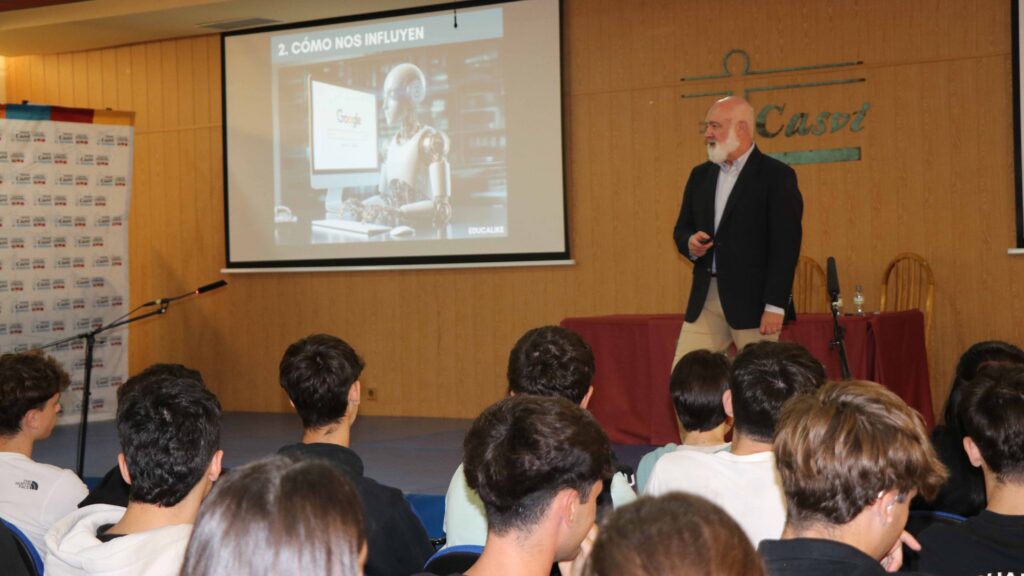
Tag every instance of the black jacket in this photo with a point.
(757, 242)
(989, 543)
(398, 543)
(813, 557)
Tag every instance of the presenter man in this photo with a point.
(740, 225)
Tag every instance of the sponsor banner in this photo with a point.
(65, 181)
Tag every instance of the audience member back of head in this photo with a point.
(964, 492)
(991, 413)
(538, 465)
(320, 374)
(675, 534)
(279, 516)
(551, 362)
(743, 481)
(850, 458)
(112, 489)
(698, 382)
(169, 430)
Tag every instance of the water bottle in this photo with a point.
(858, 300)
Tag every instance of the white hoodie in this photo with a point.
(73, 549)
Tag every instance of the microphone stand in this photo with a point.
(90, 344)
(838, 335)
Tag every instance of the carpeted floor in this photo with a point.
(416, 455)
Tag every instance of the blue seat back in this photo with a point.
(26, 547)
(454, 559)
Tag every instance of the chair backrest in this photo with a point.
(454, 559)
(429, 508)
(18, 555)
(907, 284)
(809, 290)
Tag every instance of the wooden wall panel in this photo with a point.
(935, 178)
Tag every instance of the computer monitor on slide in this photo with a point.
(343, 148)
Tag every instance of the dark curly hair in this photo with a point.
(317, 373)
(551, 361)
(523, 450)
(764, 376)
(169, 430)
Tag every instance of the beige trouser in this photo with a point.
(712, 332)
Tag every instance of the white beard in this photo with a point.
(719, 151)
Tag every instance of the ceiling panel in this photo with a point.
(92, 24)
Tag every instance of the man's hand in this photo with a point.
(575, 566)
(699, 244)
(771, 323)
(893, 561)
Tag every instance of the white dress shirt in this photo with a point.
(728, 173)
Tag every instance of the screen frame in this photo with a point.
(486, 260)
(1018, 136)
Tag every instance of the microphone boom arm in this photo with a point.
(90, 344)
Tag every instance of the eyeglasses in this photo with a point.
(715, 126)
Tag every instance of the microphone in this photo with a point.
(211, 286)
(833, 279)
(200, 290)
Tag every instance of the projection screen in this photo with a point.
(425, 137)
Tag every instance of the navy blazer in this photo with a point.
(757, 242)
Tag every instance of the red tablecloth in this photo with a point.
(634, 354)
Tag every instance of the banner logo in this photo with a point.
(773, 120)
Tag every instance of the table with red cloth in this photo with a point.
(634, 356)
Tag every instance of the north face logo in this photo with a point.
(27, 485)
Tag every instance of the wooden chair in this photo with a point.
(809, 291)
(908, 283)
